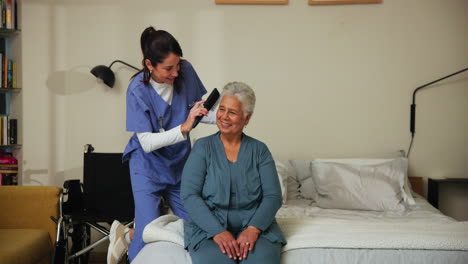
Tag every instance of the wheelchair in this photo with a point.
(104, 195)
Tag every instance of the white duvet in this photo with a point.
(307, 226)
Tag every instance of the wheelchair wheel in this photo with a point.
(81, 238)
(60, 250)
(59, 253)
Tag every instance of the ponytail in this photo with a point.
(156, 45)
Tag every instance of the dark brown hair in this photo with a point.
(156, 45)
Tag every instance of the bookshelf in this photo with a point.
(10, 93)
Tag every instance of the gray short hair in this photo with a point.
(244, 94)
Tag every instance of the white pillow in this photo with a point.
(306, 186)
(283, 169)
(293, 185)
(362, 184)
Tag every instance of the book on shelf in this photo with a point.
(5, 71)
(3, 2)
(10, 74)
(13, 131)
(8, 168)
(1, 66)
(15, 14)
(3, 104)
(9, 13)
(1, 132)
(8, 131)
(5, 140)
(2, 58)
(7, 159)
(14, 83)
(8, 179)
(8, 67)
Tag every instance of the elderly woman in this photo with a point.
(231, 191)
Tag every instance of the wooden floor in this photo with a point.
(101, 258)
(97, 258)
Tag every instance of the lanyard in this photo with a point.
(161, 129)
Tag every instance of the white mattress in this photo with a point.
(422, 212)
(372, 256)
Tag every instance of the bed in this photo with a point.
(343, 211)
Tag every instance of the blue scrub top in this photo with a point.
(144, 110)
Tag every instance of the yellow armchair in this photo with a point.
(27, 234)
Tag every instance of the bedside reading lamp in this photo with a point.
(106, 74)
(413, 105)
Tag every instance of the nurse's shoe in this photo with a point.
(118, 245)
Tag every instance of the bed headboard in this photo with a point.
(417, 185)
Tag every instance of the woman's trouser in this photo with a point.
(264, 251)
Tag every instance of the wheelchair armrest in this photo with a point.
(73, 197)
(68, 183)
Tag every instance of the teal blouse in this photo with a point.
(206, 189)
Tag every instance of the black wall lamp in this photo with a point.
(413, 106)
(106, 74)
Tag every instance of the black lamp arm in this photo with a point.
(413, 105)
(123, 62)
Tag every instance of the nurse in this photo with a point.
(158, 113)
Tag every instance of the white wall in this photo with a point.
(331, 81)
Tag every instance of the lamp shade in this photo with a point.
(105, 74)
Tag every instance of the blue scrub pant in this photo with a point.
(147, 196)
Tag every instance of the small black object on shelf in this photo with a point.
(433, 186)
(106, 74)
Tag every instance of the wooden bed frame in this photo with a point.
(417, 185)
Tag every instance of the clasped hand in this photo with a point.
(237, 248)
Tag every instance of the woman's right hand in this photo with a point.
(195, 112)
(228, 244)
